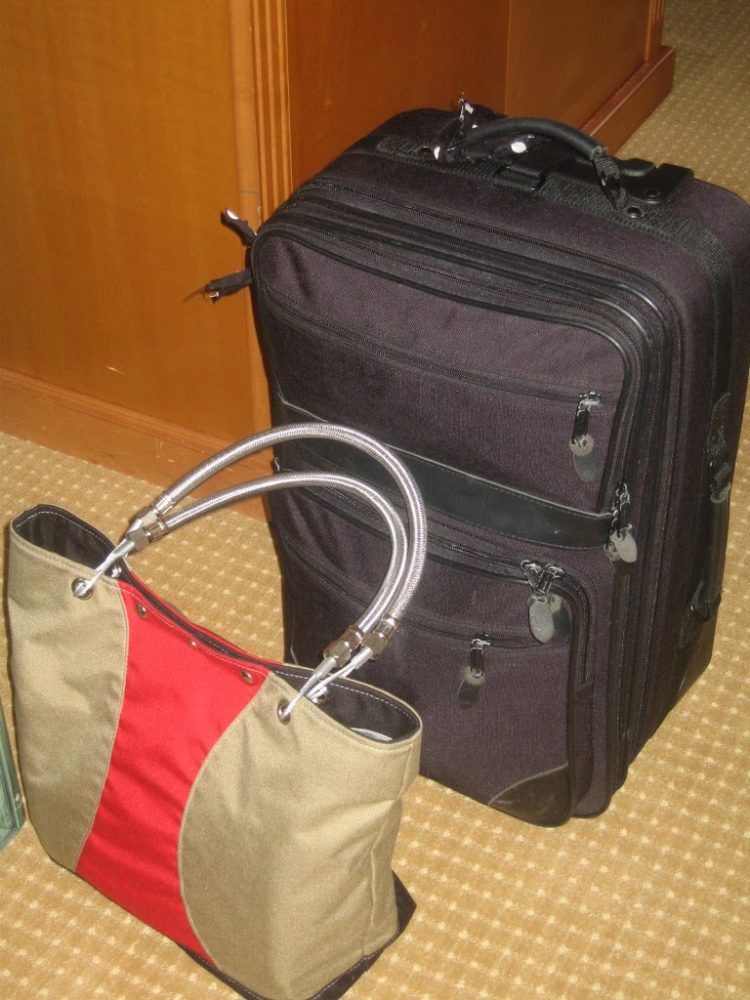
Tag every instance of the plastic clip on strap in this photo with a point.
(606, 166)
(369, 635)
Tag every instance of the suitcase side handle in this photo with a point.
(606, 166)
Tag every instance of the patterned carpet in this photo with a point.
(651, 900)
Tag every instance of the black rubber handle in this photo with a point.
(606, 166)
(502, 127)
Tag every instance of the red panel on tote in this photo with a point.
(179, 698)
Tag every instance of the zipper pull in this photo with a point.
(218, 288)
(548, 616)
(581, 442)
(235, 282)
(621, 546)
(473, 674)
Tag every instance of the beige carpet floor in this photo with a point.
(651, 900)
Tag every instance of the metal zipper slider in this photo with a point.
(581, 441)
(621, 545)
(241, 227)
(548, 616)
(473, 674)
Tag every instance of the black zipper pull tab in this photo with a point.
(235, 282)
(548, 616)
(219, 288)
(473, 674)
(581, 441)
(621, 546)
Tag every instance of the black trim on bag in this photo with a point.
(465, 496)
(629, 378)
(405, 908)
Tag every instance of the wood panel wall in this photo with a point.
(118, 155)
(120, 150)
(551, 75)
(353, 65)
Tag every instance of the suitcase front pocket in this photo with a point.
(562, 445)
(525, 384)
(504, 713)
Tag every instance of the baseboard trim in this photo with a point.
(631, 104)
(115, 437)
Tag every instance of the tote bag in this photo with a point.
(245, 808)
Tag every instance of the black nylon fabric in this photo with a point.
(507, 734)
(458, 317)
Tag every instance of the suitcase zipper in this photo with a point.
(621, 544)
(581, 440)
(547, 616)
(613, 471)
(584, 281)
(535, 273)
(474, 673)
(632, 358)
(549, 583)
(396, 232)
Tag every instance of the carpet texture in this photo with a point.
(650, 900)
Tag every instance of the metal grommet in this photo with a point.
(247, 676)
(140, 610)
(321, 699)
(81, 589)
(280, 712)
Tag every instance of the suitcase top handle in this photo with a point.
(605, 165)
(369, 635)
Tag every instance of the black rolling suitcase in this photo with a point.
(557, 344)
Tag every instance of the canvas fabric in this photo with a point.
(155, 767)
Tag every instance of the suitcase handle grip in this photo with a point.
(605, 165)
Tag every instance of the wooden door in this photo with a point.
(119, 153)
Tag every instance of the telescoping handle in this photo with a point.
(368, 636)
(606, 166)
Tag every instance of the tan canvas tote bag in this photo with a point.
(246, 809)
